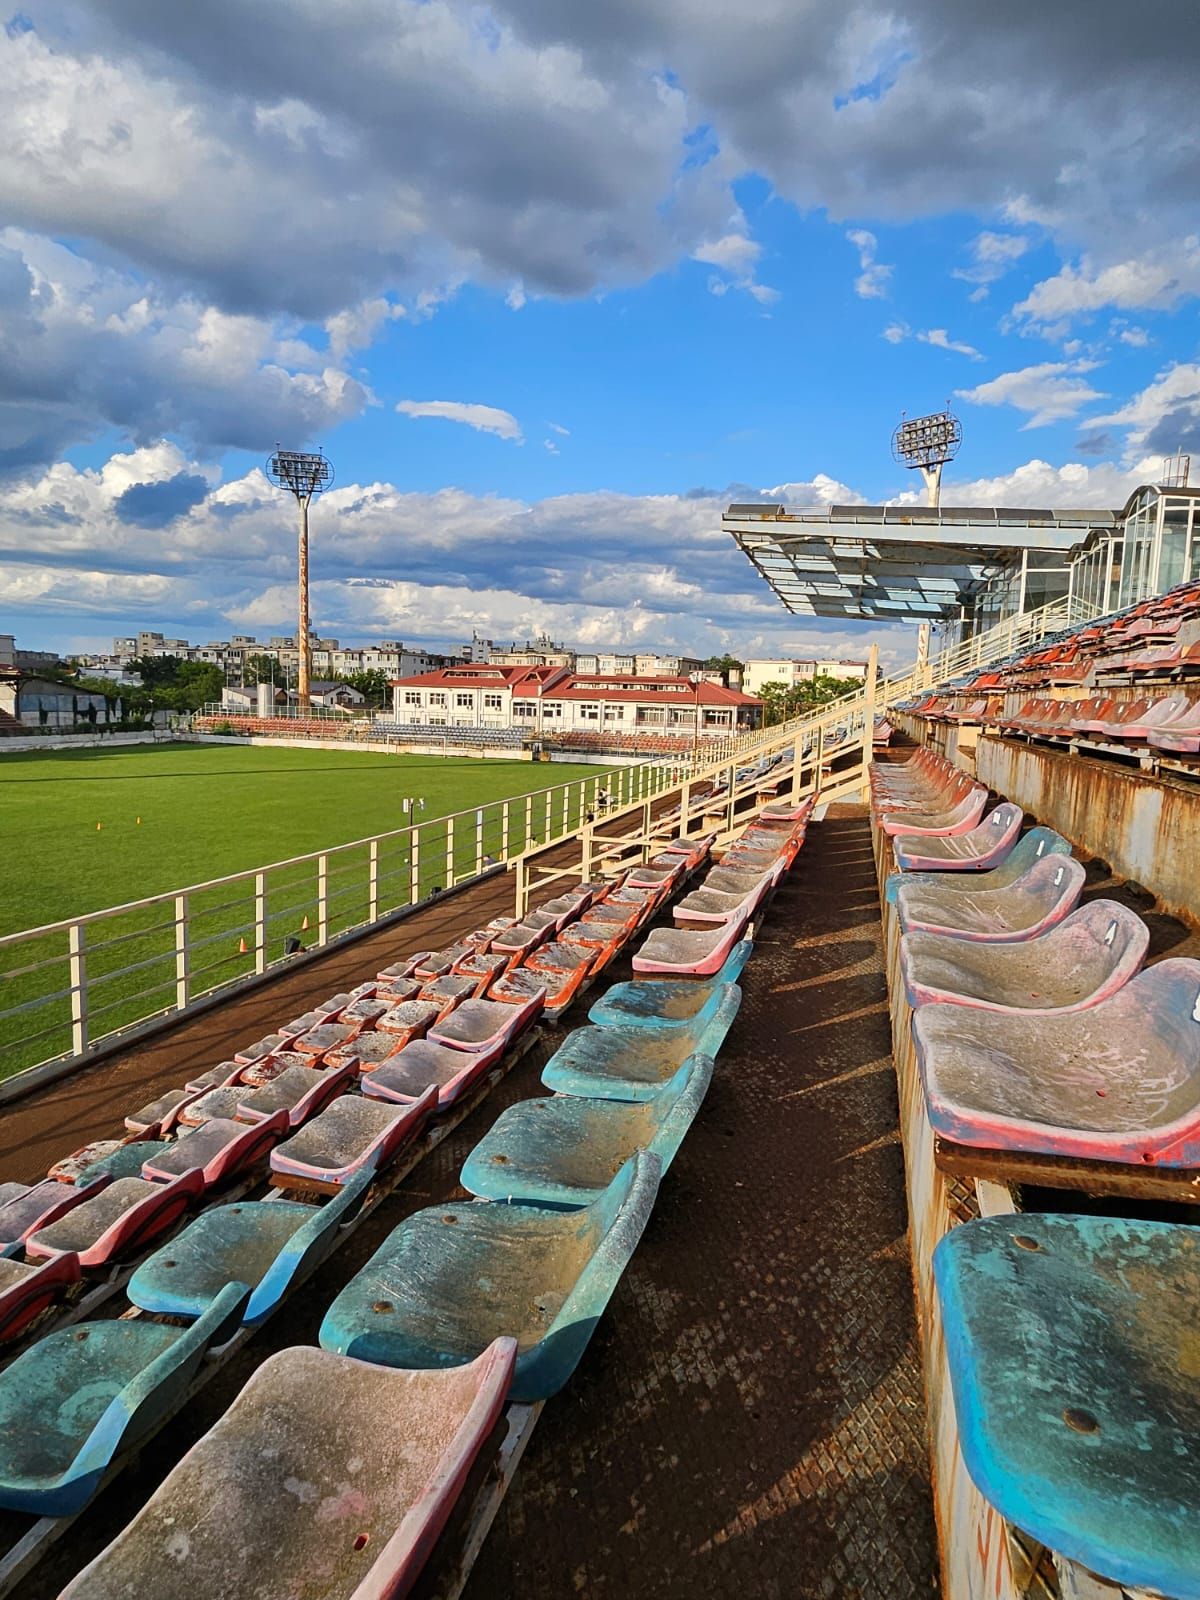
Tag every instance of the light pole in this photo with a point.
(303, 474)
(696, 679)
(927, 443)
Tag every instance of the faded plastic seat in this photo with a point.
(960, 818)
(450, 990)
(485, 1024)
(265, 1244)
(671, 1002)
(1181, 736)
(560, 955)
(349, 1136)
(707, 905)
(221, 1149)
(300, 1092)
(977, 850)
(1118, 1082)
(126, 1161)
(29, 1288)
(124, 1216)
(1038, 900)
(29, 1207)
(1070, 1343)
(326, 1036)
(691, 953)
(519, 985)
(1031, 847)
(306, 1427)
(547, 1277)
(482, 966)
(411, 1019)
(1087, 957)
(160, 1116)
(423, 1067)
(369, 1049)
(614, 1063)
(433, 963)
(74, 1399)
(518, 939)
(210, 1103)
(564, 1151)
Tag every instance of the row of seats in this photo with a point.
(476, 736)
(463, 1308)
(1038, 1031)
(1128, 682)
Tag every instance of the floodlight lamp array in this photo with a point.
(927, 441)
(304, 472)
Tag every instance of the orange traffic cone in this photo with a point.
(243, 948)
(304, 923)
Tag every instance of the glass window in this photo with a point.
(467, 699)
(1173, 561)
(412, 697)
(589, 712)
(436, 699)
(493, 702)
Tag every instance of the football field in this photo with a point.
(86, 830)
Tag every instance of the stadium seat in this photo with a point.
(1086, 958)
(633, 1063)
(221, 1149)
(1040, 898)
(121, 1218)
(300, 1092)
(1117, 1082)
(1031, 847)
(563, 1151)
(422, 1065)
(265, 1244)
(1068, 1340)
(29, 1207)
(409, 1020)
(549, 1275)
(671, 1003)
(690, 953)
(74, 1399)
(350, 1135)
(312, 1419)
(977, 850)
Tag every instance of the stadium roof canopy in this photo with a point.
(897, 561)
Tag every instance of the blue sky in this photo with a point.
(550, 283)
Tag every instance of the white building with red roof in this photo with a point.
(547, 701)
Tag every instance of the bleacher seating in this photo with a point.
(1038, 1038)
(579, 1172)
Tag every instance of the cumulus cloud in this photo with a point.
(1165, 416)
(484, 419)
(1049, 392)
(939, 338)
(992, 255)
(872, 282)
(736, 255)
(1156, 280)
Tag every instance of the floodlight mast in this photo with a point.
(928, 443)
(303, 474)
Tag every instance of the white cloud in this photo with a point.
(549, 444)
(872, 282)
(1165, 416)
(896, 333)
(515, 298)
(557, 427)
(1156, 280)
(992, 255)
(484, 419)
(357, 326)
(939, 338)
(735, 254)
(1050, 391)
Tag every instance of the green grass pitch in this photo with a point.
(206, 811)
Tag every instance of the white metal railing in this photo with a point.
(69, 986)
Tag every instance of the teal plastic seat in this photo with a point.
(634, 1063)
(265, 1244)
(1071, 1343)
(451, 1279)
(74, 1399)
(564, 1151)
(669, 1002)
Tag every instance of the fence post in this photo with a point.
(260, 922)
(182, 960)
(566, 815)
(373, 881)
(549, 818)
(869, 719)
(646, 823)
(585, 870)
(322, 898)
(528, 821)
(479, 840)
(685, 807)
(450, 851)
(504, 831)
(414, 866)
(77, 950)
(519, 907)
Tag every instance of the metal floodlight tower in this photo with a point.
(928, 443)
(304, 474)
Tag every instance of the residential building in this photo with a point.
(791, 671)
(539, 652)
(328, 657)
(11, 656)
(34, 702)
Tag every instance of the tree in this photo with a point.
(171, 684)
(782, 701)
(261, 669)
(373, 684)
(725, 665)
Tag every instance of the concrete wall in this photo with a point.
(1146, 828)
(86, 741)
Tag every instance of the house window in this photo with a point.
(412, 697)
(437, 722)
(493, 702)
(589, 712)
(524, 708)
(612, 713)
(552, 709)
(436, 699)
(467, 700)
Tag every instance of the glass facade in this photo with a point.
(1156, 548)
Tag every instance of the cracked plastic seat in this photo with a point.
(326, 1036)
(1033, 903)
(453, 1278)
(614, 1063)
(343, 1508)
(691, 953)
(564, 1151)
(1070, 1343)
(1086, 958)
(77, 1397)
(126, 1161)
(556, 987)
(1118, 1082)
(486, 1024)
(123, 1216)
(221, 1149)
(350, 1135)
(518, 939)
(1031, 847)
(560, 955)
(411, 1019)
(265, 1244)
(161, 1115)
(977, 850)
(368, 1050)
(424, 1067)
(209, 1103)
(450, 990)
(669, 1003)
